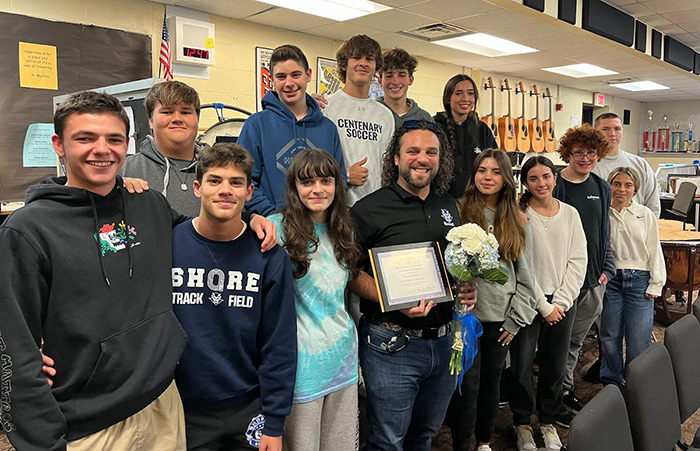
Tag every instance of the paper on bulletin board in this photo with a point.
(38, 151)
(37, 66)
(574, 120)
(132, 138)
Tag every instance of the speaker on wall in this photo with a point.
(640, 36)
(535, 4)
(567, 11)
(656, 44)
(626, 117)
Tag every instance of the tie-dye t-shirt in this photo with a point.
(326, 335)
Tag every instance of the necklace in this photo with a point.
(549, 217)
(178, 169)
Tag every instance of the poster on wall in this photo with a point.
(327, 80)
(263, 76)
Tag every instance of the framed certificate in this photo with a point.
(407, 273)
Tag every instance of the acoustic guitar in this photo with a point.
(550, 138)
(536, 131)
(522, 134)
(506, 125)
(490, 119)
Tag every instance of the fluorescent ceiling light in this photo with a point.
(487, 45)
(580, 70)
(331, 9)
(640, 86)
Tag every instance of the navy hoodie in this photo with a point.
(90, 276)
(273, 137)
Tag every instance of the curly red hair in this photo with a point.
(585, 136)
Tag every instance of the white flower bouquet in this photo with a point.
(471, 254)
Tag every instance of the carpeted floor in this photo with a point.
(504, 439)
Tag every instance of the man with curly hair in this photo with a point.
(365, 126)
(395, 77)
(577, 185)
(406, 397)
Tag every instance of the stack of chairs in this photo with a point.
(662, 391)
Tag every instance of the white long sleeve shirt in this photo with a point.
(634, 235)
(559, 255)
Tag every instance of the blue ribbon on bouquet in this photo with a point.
(471, 331)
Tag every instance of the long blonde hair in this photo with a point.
(508, 225)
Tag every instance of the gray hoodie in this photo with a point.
(414, 113)
(166, 175)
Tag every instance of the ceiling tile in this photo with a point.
(449, 10)
(289, 20)
(341, 31)
(667, 6)
(684, 16)
(391, 21)
(223, 7)
(491, 22)
(656, 20)
(638, 10)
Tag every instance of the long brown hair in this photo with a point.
(529, 164)
(450, 87)
(508, 226)
(300, 239)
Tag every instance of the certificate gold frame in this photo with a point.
(406, 273)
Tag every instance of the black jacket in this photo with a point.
(91, 277)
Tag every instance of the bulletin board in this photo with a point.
(87, 57)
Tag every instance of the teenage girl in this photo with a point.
(316, 230)
(628, 306)
(559, 255)
(490, 201)
(466, 133)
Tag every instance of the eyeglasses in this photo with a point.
(420, 125)
(581, 155)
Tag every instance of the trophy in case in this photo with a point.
(648, 141)
(690, 144)
(676, 136)
(663, 135)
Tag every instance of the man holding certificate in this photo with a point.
(405, 353)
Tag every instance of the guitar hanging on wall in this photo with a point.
(522, 135)
(490, 119)
(550, 141)
(506, 125)
(536, 130)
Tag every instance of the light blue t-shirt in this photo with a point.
(326, 335)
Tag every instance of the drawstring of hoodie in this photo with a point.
(166, 177)
(97, 235)
(126, 223)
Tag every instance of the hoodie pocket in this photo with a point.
(132, 363)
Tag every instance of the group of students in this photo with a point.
(273, 354)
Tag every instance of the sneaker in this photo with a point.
(484, 448)
(572, 402)
(551, 437)
(524, 439)
(563, 419)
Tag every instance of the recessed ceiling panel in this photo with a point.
(289, 20)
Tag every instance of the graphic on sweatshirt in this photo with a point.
(285, 156)
(6, 389)
(114, 238)
(255, 430)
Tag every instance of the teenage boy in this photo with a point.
(168, 159)
(365, 126)
(236, 376)
(648, 193)
(395, 77)
(86, 270)
(405, 354)
(590, 195)
(290, 122)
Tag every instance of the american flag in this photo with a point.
(165, 59)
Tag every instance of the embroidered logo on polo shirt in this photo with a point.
(592, 197)
(255, 430)
(445, 213)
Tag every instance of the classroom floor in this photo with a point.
(504, 439)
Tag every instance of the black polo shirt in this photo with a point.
(392, 215)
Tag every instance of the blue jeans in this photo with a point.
(408, 387)
(626, 313)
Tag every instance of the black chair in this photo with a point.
(603, 424)
(682, 340)
(652, 401)
(684, 201)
